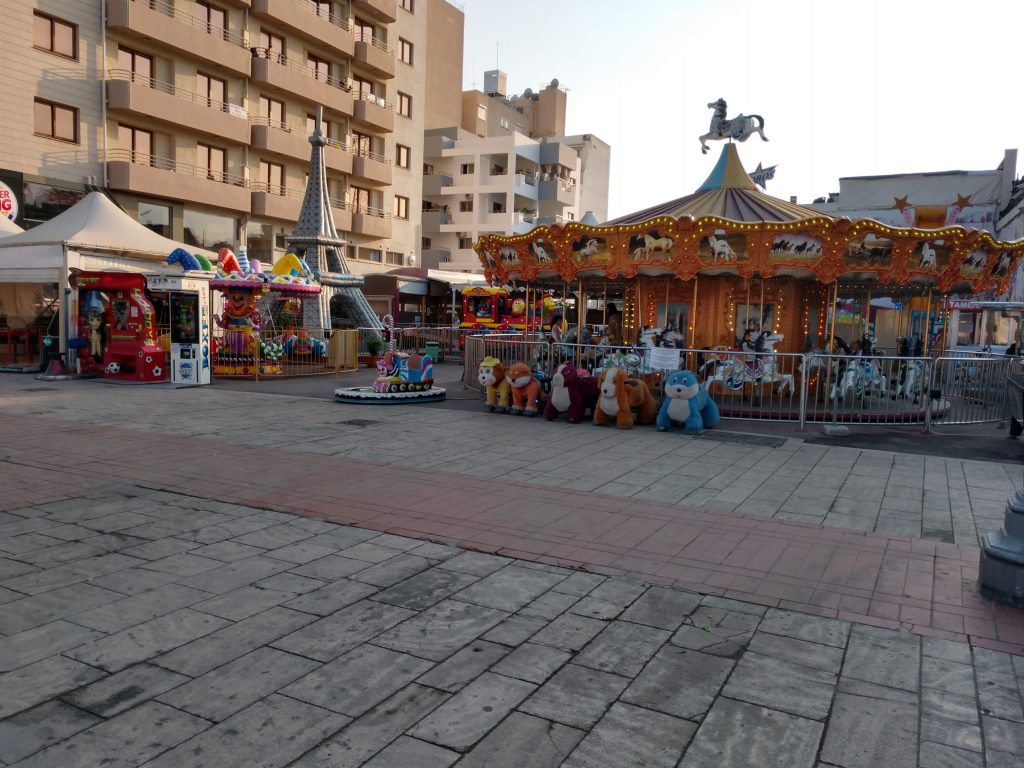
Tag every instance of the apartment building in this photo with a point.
(196, 113)
(506, 168)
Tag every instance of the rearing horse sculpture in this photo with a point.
(740, 128)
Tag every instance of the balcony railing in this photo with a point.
(526, 178)
(371, 99)
(276, 189)
(283, 60)
(235, 110)
(331, 16)
(373, 156)
(169, 164)
(367, 37)
(187, 17)
(299, 130)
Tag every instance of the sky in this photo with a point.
(845, 88)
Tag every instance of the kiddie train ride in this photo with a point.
(486, 308)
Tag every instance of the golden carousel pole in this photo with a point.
(760, 316)
(746, 308)
(579, 321)
(928, 322)
(692, 341)
(830, 320)
(866, 319)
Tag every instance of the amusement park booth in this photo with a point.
(730, 260)
(183, 303)
(93, 235)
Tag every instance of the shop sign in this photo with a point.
(962, 304)
(8, 202)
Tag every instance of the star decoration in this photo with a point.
(962, 201)
(900, 203)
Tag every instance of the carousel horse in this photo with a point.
(860, 375)
(735, 372)
(669, 338)
(739, 128)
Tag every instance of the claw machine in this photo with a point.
(185, 303)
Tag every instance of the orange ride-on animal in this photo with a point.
(619, 396)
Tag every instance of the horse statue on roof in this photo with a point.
(739, 128)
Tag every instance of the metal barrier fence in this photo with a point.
(812, 387)
(449, 341)
(290, 353)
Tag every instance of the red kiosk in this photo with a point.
(122, 327)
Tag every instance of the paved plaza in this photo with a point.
(202, 577)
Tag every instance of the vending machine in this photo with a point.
(186, 349)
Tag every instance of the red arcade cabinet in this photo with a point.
(130, 351)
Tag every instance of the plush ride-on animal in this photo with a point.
(491, 375)
(686, 402)
(525, 389)
(572, 393)
(620, 396)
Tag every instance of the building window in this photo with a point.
(504, 123)
(322, 8)
(273, 110)
(272, 177)
(481, 111)
(56, 121)
(155, 217)
(373, 254)
(405, 51)
(212, 160)
(406, 5)
(362, 144)
(359, 199)
(395, 259)
(273, 46)
(402, 156)
(425, 243)
(466, 206)
(401, 207)
(209, 230)
(139, 65)
(211, 18)
(213, 89)
(465, 242)
(54, 35)
(138, 142)
(363, 31)
(318, 68)
(405, 104)
(467, 168)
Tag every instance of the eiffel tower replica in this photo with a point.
(317, 242)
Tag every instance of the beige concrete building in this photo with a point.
(195, 113)
(506, 168)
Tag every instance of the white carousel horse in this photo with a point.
(737, 372)
(720, 249)
(739, 128)
(861, 376)
(927, 256)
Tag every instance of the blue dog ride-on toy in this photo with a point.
(686, 402)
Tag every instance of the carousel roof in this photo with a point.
(728, 193)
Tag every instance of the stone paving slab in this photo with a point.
(361, 647)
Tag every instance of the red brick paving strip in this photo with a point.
(929, 587)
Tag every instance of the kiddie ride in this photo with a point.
(117, 338)
(401, 378)
(485, 308)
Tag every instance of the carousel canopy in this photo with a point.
(728, 193)
(728, 227)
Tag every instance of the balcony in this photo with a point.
(160, 177)
(371, 222)
(291, 141)
(372, 169)
(435, 258)
(385, 11)
(300, 18)
(496, 221)
(168, 27)
(525, 184)
(276, 202)
(373, 112)
(297, 81)
(342, 216)
(140, 95)
(434, 218)
(436, 184)
(562, 190)
(375, 57)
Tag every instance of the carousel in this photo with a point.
(739, 279)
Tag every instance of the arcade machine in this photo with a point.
(187, 300)
(126, 331)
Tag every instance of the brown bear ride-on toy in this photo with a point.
(525, 389)
(491, 375)
(619, 396)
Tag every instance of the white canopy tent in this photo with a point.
(94, 234)
(8, 227)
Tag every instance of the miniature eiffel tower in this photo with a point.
(316, 240)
